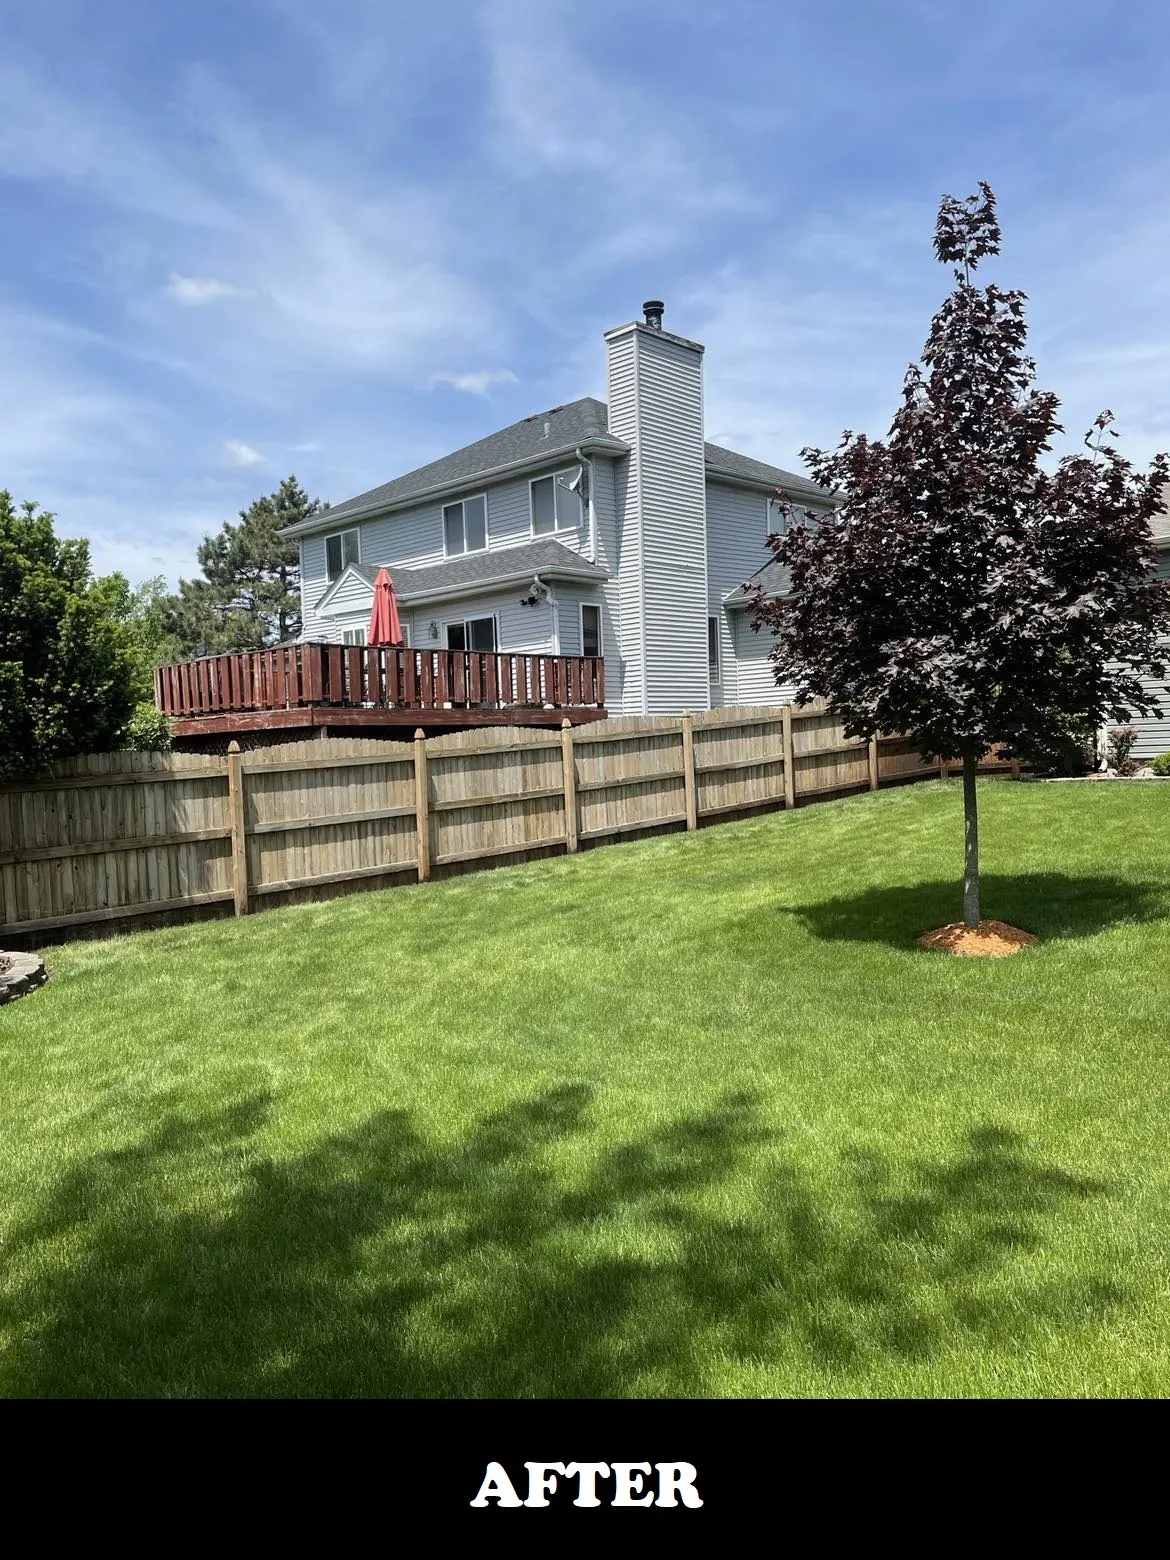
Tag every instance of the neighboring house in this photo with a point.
(1154, 732)
(583, 530)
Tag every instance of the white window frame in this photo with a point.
(350, 530)
(592, 606)
(475, 618)
(558, 529)
(714, 667)
(363, 629)
(487, 539)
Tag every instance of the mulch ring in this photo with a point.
(20, 973)
(989, 940)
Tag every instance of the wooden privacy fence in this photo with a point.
(118, 836)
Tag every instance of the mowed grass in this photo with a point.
(691, 1116)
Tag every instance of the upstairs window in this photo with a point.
(590, 630)
(342, 549)
(465, 526)
(555, 507)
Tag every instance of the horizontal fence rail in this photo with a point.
(112, 838)
(376, 677)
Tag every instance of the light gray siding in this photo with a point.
(1154, 733)
(624, 424)
(656, 406)
(314, 584)
(737, 522)
(755, 678)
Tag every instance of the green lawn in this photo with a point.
(691, 1116)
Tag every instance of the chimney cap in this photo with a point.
(653, 309)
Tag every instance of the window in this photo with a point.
(465, 526)
(357, 636)
(341, 550)
(555, 506)
(472, 634)
(713, 648)
(590, 630)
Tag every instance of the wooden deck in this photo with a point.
(359, 688)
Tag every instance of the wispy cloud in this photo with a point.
(478, 382)
(196, 290)
(237, 453)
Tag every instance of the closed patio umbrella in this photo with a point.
(385, 627)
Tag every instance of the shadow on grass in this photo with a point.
(1049, 904)
(378, 1263)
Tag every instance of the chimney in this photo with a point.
(655, 394)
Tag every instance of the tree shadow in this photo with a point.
(379, 1263)
(1049, 904)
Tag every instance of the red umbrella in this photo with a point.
(385, 628)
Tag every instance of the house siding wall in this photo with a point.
(737, 522)
(656, 406)
(1153, 732)
(755, 679)
(624, 424)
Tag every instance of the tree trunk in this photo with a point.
(971, 831)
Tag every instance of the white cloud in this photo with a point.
(478, 382)
(195, 290)
(237, 453)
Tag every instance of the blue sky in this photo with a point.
(248, 238)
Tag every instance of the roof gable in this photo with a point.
(473, 572)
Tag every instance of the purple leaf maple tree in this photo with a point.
(959, 592)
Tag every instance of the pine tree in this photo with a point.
(249, 594)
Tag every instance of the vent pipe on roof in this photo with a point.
(653, 309)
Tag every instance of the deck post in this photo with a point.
(237, 817)
(873, 763)
(569, 764)
(688, 741)
(789, 761)
(422, 804)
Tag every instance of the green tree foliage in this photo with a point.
(249, 593)
(67, 664)
(142, 611)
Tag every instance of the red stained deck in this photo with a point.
(357, 687)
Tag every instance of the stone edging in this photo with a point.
(20, 973)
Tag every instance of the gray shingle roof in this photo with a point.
(482, 570)
(525, 440)
(579, 422)
(775, 578)
(1160, 524)
(727, 463)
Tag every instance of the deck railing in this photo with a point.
(376, 677)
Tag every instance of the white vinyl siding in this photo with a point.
(755, 682)
(666, 518)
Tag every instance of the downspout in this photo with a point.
(587, 466)
(550, 596)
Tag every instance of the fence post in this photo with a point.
(1015, 769)
(422, 805)
(873, 763)
(569, 765)
(789, 763)
(688, 736)
(944, 769)
(237, 819)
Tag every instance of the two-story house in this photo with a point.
(584, 530)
